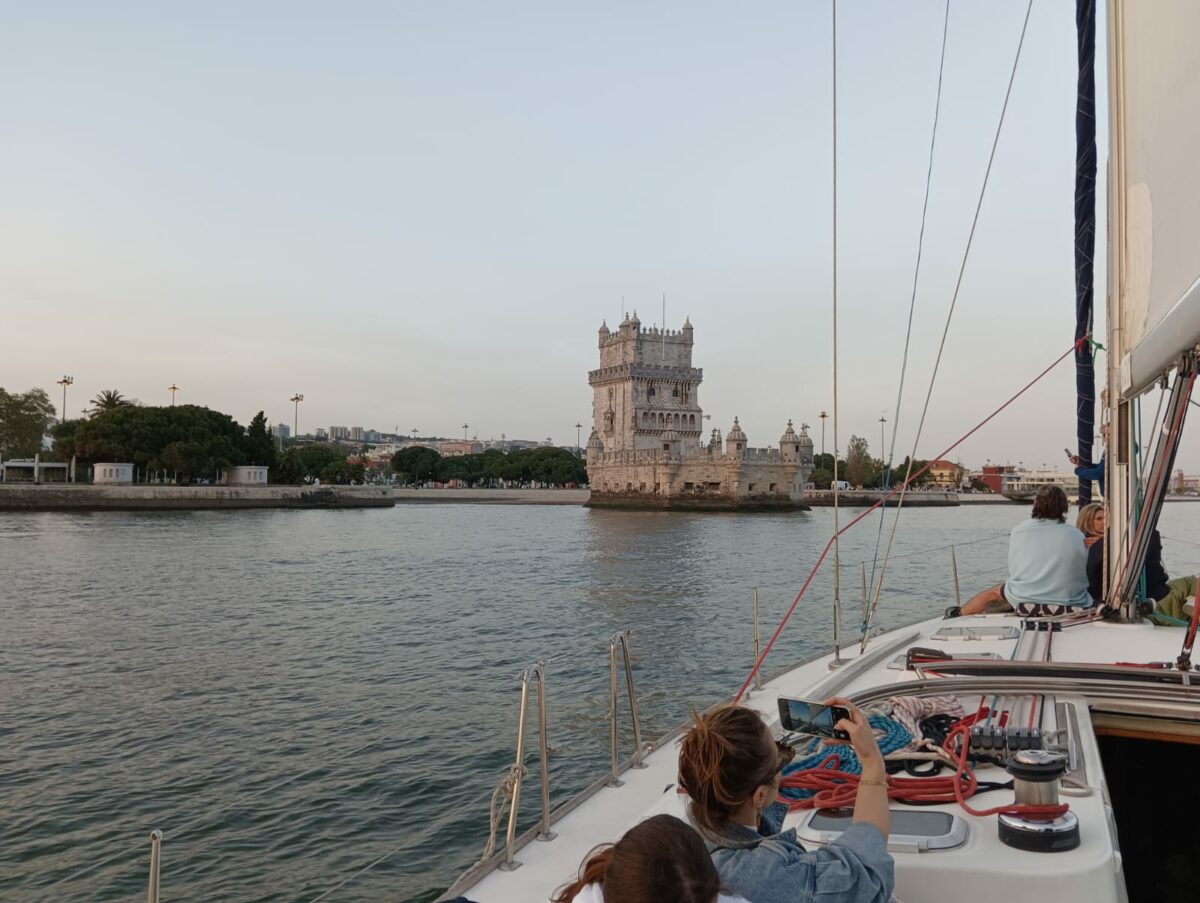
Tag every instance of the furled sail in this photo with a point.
(1155, 132)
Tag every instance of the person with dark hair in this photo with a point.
(1047, 561)
(731, 768)
(662, 858)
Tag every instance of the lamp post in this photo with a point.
(464, 432)
(296, 399)
(823, 417)
(64, 382)
(578, 427)
(172, 389)
(414, 432)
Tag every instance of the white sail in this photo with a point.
(1155, 185)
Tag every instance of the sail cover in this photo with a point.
(1155, 72)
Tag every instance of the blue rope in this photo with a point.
(812, 754)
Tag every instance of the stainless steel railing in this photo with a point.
(621, 638)
(535, 671)
(155, 863)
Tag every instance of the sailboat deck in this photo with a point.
(993, 871)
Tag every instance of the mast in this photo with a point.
(1085, 232)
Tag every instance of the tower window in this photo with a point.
(650, 392)
(674, 393)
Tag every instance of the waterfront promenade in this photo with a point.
(492, 496)
(88, 497)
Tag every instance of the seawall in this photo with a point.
(80, 497)
(863, 498)
(645, 502)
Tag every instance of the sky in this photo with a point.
(418, 215)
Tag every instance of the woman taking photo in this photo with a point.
(731, 768)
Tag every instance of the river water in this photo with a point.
(291, 695)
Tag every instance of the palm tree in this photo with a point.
(108, 400)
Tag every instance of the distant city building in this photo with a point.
(253, 475)
(458, 447)
(320, 434)
(645, 448)
(283, 431)
(992, 475)
(372, 436)
(339, 432)
(945, 474)
(356, 434)
(108, 473)
(34, 470)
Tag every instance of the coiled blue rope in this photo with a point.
(890, 734)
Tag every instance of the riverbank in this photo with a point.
(864, 498)
(83, 497)
(492, 496)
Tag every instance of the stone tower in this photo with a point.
(646, 387)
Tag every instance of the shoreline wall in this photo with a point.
(77, 497)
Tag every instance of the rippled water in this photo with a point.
(291, 695)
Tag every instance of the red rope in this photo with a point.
(834, 789)
(899, 487)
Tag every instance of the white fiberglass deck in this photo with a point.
(993, 871)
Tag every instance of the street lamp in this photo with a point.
(823, 417)
(296, 399)
(464, 432)
(578, 427)
(172, 389)
(64, 382)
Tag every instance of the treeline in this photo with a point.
(858, 468)
(552, 466)
(189, 441)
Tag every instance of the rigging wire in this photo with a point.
(866, 512)
(837, 550)
(912, 303)
(949, 318)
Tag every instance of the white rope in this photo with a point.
(946, 329)
(504, 792)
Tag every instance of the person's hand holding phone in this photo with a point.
(862, 739)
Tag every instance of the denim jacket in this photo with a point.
(855, 868)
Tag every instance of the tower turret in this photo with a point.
(735, 441)
(595, 447)
(789, 445)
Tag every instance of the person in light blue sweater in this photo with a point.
(1047, 561)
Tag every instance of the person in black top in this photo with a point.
(1091, 522)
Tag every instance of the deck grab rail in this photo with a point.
(155, 863)
(509, 790)
(621, 638)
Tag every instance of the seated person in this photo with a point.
(662, 858)
(1180, 599)
(1092, 523)
(731, 769)
(1047, 561)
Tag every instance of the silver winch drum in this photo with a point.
(1035, 774)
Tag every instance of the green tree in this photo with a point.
(24, 417)
(108, 400)
(416, 464)
(190, 440)
(260, 443)
(302, 463)
(860, 468)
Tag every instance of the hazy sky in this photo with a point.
(418, 214)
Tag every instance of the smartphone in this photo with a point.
(803, 716)
(1068, 451)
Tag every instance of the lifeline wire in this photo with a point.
(949, 317)
(825, 551)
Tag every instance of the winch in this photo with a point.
(1035, 774)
